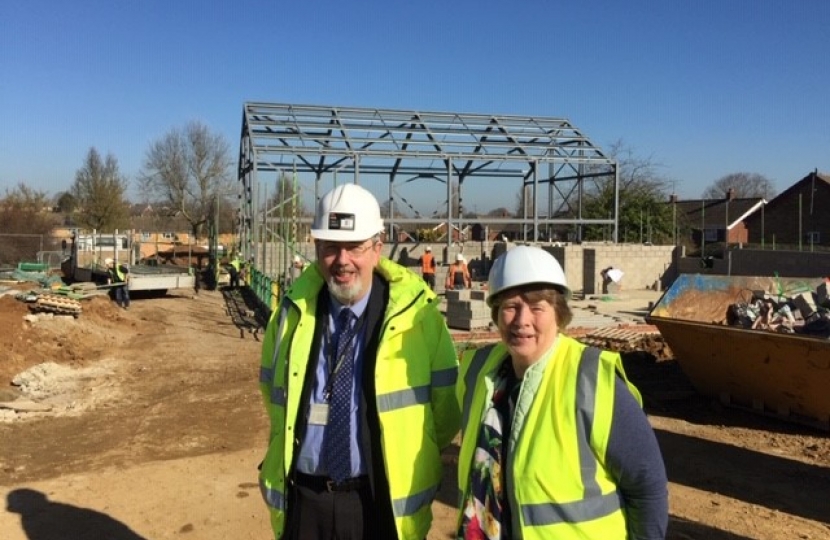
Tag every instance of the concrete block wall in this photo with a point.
(642, 265)
(756, 262)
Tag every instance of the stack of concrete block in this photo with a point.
(467, 310)
(805, 304)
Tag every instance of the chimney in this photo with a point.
(673, 198)
(730, 194)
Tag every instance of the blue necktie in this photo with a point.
(337, 439)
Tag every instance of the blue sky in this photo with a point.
(703, 88)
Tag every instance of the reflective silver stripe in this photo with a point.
(586, 395)
(273, 498)
(403, 398)
(266, 375)
(283, 318)
(445, 377)
(409, 505)
(541, 514)
(470, 378)
(278, 396)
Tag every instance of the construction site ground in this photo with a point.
(148, 424)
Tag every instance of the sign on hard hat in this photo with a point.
(525, 265)
(348, 213)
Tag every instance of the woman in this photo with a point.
(458, 276)
(555, 444)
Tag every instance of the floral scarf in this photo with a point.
(486, 511)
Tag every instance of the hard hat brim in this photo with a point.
(338, 236)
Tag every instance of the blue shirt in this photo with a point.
(310, 460)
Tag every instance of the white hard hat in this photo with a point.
(524, 265)
(107, 261)
(459, 257)
(427, 248)
(297, 259)
(348, 213)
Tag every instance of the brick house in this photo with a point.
(723, 220)
(797, 216)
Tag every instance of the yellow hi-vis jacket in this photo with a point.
(561, 487)
(415, 375)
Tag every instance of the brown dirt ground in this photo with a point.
(156, 431)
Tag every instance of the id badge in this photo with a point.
(319, 415)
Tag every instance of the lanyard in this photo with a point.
(335, 363)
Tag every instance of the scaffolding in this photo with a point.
(401, 146)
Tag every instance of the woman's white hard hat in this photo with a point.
(525, 265)
(347, 213)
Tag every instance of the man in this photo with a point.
(120, 276)
(357, 375)
(427, 262)
(235, 269)
(298, 265)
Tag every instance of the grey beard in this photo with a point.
(345, 294)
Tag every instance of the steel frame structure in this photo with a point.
(405, 146)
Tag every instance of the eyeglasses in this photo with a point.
(355, 251)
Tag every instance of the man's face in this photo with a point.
(347, 267)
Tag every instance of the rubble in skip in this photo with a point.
(805, 312)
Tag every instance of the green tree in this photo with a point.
(99, 191)
(188, 169)
(644, 214)
(66, 202)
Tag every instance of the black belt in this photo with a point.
(324, 483)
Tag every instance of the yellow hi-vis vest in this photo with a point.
(561, 487)
(415, 375)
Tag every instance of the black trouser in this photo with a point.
(317, 513)
(430, 279)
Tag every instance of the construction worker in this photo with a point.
(555, 443)
(458, 276)
(427, 262)
(235, 269)
(119, 275)
(298, 266)
(358, 373)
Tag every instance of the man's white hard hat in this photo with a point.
(108, 261)
(348, 213)
(427, 248)
(459, 257)
(525, 265)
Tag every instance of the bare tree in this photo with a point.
(24, 214)
(99, 190)
(457, 207)
(501, 211)
(743, 185)
(189, 169)
(286, 204)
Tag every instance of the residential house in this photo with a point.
(797, 217)
(717, 220)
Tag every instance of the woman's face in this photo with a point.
(527, 328)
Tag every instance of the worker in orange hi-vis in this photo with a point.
(427, 262)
